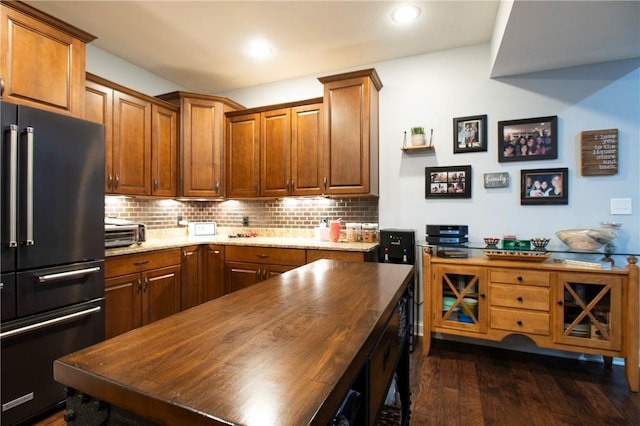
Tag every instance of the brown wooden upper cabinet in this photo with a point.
(43, 60)
(291, 151)
(243, 155)
(351, 164)
(141, 139)
(202, 142)
(275, 151)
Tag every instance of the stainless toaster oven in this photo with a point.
(122, 233)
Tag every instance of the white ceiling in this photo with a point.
(200, 45)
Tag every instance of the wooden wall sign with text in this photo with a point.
(599, 152)
(496, 180)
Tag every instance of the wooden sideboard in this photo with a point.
(284, 351)
(557, 306)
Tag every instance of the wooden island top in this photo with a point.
(284, 351)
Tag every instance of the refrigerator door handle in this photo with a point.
(29, 241)
(48, 323)
(13, 185)
(67, 274)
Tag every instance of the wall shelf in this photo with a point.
(417, 148)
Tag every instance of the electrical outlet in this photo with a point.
(245, 221)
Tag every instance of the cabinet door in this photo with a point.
(213, 280)
(122, 304)
(589, 310)
(191, 277)
(203, 148)
(275, 153)
(42, 66)
(99, 108)
(131, 145)
(351, 112)
(161, 293)
(241, 275)
(164, 151)
(243, 156)
(459, 299)
(306, 149)
(270, 271)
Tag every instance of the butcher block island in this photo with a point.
(286, 351)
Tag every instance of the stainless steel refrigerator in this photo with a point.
(52, 252)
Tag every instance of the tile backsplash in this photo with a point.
(292, 213)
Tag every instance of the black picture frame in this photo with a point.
(540, 134)
(470, 134)
(544, 186)
(448, 182)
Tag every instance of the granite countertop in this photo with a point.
(161, 241)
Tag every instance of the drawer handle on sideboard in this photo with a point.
(519, 299)
(519, 278)
(141, 262)
(519, 322)
(262, 256)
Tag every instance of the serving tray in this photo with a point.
(527, 256)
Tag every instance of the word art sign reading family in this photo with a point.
(600, 152)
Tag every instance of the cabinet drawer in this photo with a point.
(132, 263)
(266, 255)
(350, 256)
(519, 321)
(382, 365)
(509, 276)
(519, 296)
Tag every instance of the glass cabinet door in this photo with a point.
(589, 310)
(459, 297)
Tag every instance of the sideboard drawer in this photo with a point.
(520, 321)
(520, 296)
(511, 276)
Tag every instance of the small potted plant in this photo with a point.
(418, 136)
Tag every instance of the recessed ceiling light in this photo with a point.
(259, 49)
(405, 13)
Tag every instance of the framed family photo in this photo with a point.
(528, 139)
(544, 186)
(470, 134)
(448, 182)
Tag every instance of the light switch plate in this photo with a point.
(620, 205)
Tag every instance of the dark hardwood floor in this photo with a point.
(468, 385)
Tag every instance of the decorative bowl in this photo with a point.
(540, 243)
(585, 239)
(491, 241)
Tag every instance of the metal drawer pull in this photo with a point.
(47, 323)
(62, 275)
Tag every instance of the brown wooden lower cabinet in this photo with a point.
(144, 287)
(141, 288)
(191, 292)
(213, 272)
(246, 266)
